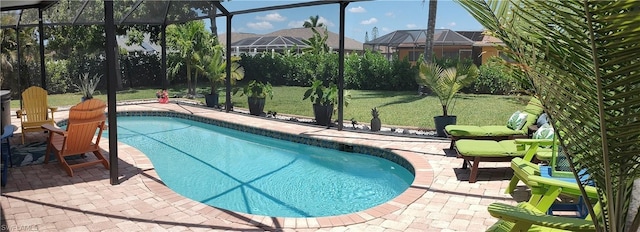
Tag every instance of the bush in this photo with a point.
(495, 78)
(57, 77)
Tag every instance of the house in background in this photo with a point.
(446, 44)
(145, 47)
(281, 40)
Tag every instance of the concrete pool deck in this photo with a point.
(43, 198)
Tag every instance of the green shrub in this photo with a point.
(368, 71)
(58, 78)
(495, 78)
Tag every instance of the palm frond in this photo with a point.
(582, 59)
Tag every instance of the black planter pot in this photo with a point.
(256, 105)
(211, 100)
(323, 114)
(443, 121)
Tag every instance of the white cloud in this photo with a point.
(451, 24)
(264, 25)
(369, 21)
(390, 14)
(274, 17)
(357, 9)
(411, 26)
(385, 29)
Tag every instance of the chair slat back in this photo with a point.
(34, 101)
(85, 119)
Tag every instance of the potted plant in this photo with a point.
(87, 85)
(256, 93)
(215, 70)
(445, 83)
(325, 101)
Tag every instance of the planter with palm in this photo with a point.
(257, 93)
(445, 84)
(215, 70)
(325, 101)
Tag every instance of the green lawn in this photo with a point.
(396, 108)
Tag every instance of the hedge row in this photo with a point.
(368, 71)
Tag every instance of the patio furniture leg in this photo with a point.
(473, 176)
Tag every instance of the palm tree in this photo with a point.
(317, 43)
(215, 68)
(431, 27)
(313, 22)
(582, 59)
(7, 56)
(186, 39)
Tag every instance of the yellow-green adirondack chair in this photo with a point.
(532, 216)
(35, 110)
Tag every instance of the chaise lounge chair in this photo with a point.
(475, 151)
(85, 119)
(496, 132)
(35, 110)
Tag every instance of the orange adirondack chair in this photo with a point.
(35, 110)
(84, 120)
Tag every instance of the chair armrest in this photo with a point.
(540, 142)
(571, 188)
(18, 113)
(53, 129)
(525, 214)
(53, 109)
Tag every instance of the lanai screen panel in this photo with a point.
(126, 12)
(17, 18)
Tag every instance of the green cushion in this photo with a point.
(478, 131)
(465, 130)
(488, 148)
(501, 131)
(533, 110)
(534, 107)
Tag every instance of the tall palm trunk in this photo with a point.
(189, 85)
(431, 27)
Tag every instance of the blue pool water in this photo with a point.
(259, 175)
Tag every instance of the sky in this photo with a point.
(361, 17)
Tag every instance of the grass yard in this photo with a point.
(405, 109)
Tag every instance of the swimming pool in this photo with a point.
(260, 175)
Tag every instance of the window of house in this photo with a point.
(414, 55)
(464, 54)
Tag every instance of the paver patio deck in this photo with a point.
(44, 198)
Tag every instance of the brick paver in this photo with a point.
(441, 199)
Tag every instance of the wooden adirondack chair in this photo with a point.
(35, 110)
(85, 119)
